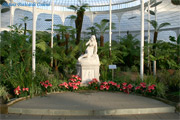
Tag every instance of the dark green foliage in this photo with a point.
(79, 19)
(130, 50)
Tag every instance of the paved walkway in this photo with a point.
(165, 116)
(91, 105)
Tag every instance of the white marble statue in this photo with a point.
(91, 50)
(88, 64)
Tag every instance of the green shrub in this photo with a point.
(134, 68)
(4, 93)
(160, 89)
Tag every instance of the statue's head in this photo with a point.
(93, 37)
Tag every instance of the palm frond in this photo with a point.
(154, 24)
(163, 25)
(72, 7)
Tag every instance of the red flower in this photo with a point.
(17, 90)
(138, 87)
(95, 80)
(143, 85)
(104, 83)
(75, 87)
(79, 78)
(130, 86)
(47, 81)
(49, 84)
(118, 86)
(152, 87)
(102, 87)
(107, 87)
(124, 87)
(124, 84)
(26, 89)
(46, 85)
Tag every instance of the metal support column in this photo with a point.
(142, 41)
(154, 63)
(34, 39)
(149, 34)
(52, 31)
(110, 24)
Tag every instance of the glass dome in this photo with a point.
(125, 14)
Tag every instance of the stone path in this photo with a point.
(165, 116)
(92, 103)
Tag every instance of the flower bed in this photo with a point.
(73, 84)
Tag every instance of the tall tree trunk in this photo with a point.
(178, 55)
(58, 39)
(67, 41)
(102, 41)
(25, 28)
(55, 64)
(154, 52)
(79, 22)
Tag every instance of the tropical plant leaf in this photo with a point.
(178, 40)
(163, 25)
(156, 4)
(42, 45)
(154, 24)
(72, 7)
(48, 19)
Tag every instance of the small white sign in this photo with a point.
(112, 67)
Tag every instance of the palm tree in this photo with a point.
(72, 20)
(102, 28)
(25, 19)
(93, 30)
(156, 30)
(64, 30)
(79, 19)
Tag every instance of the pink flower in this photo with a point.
(143, 85)
(102, 87)
(75, 87)
(130, 86)
(47, 81)
(124, 87)
(78, 83)
(115, 84)
(138, 87)
(18, 88)
(17, 92)
(46, 85)
(95, 80)
(107, 87)
(104, 83)
(79, 78)
(26, 89)
(72, 80)
(124, 84)
(152, 87)
(118, 86)
(73, 76)
(42, 83)
(49, 84)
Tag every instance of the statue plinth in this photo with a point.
(87, 69)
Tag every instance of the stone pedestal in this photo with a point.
(88, 69)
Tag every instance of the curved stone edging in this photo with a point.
(24, 98)
(122, 111)
(92, 112)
